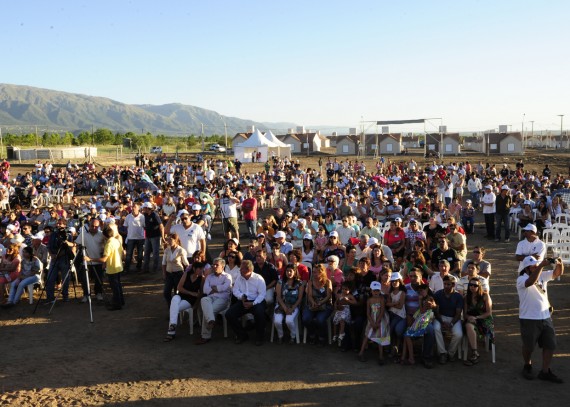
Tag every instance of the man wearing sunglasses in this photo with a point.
(192, 236)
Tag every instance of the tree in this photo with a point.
(103, 136)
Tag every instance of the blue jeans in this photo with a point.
(500, 218)
(58, 265)
(17, 287)
(131, 244)
(468, 224)
(237, 310)
(475, 199)
(250, 224)
(170, 284)
(316, 322)
(151, 244)
(116, 289)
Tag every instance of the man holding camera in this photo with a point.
(92, 238)
(62, 253)
(535, 314)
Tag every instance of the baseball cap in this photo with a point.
(333, 234)
(530, 228)
(468, 201)
(196, 207)
(260, 235)
(395, 276)
(279, 234)
(528, 261)
(372, 241)
(375, 285)
(505, 187)
(488, 187)
(148, 205)
(308, 236)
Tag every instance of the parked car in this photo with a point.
(156, 150)
(217, 147)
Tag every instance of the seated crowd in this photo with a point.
(381, 256)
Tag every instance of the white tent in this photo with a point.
(271, 137)
(258, 143)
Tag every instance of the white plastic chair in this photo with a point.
(57, 197)
(465, 346)
(297, 322)
(562, 218)
(550, 237)
(190, 312)
(562, 250)
(31, 287)
(223, 315)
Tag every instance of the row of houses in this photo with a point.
(299, 142)
(446, 144)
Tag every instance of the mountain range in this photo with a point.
(22, 108)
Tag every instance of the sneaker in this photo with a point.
(507, 240)
(335, 338)
(527, 372)
(99, 297)
(84, 299)
(550, 377)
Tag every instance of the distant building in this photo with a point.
(347, 145)
(240, 138)
(503, 143)
(444, 144)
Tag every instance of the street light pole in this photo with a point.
(561, 124)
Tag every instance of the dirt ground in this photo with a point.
(120, 360)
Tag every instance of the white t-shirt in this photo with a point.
(229, 208)
(189, 238)
(533, 300)
(488, 198)
(526, 248)
(135, 226)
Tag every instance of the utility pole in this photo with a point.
(92, 135)
(226, 133)
(202, 135)
(37, 141)
(561, 124)
(522, 130)
(532, 129)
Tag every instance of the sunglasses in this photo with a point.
(473, 285)
(476, 252)
(184, 218)
(231, 257)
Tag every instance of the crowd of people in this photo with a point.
(382, 255)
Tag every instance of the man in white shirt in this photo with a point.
(531, 245)
(228, 208)
(92, 239)
(370, 230)
(217, 292)
(192, 236)
(345, 232)
(249, 289)
(535, 315)
(474, 187)
(134, 222)
(488, 201)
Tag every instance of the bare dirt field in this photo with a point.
(64, 360)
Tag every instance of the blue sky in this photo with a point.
(476, 64)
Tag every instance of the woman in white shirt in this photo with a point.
(174, 261)
(233, 263)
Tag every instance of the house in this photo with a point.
(390, 143)
(299, 141)
(503, 143)
(411, 142)
(451, 144)
(293, 140)
(240, 138)
(347, 145)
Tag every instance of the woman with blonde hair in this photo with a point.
(10, 267)
(319, 305)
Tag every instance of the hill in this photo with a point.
(23, 106)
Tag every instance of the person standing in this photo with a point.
(228, 208)
(531, 245)
(92, 238)
(112, 257)
(488, 202)
(192, 236)
(153, 235)
(535, 315)
(249, 209)
(474, 187)
(503, 205)
(134, 222)
(62, 252)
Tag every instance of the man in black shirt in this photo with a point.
(269, 273)
(154, 234)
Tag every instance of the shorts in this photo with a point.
(539, 331)
(231, 225)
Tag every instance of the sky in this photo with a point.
(470, 65)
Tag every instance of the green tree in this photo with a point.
(103, 136)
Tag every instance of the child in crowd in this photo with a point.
(422, 318)
(377, 329)
(396, 305)
(344, 299)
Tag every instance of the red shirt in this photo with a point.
(249, 208)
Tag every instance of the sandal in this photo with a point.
(474, 357)
(169, 338)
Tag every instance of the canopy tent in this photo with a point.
(259, 143)
(271, 137)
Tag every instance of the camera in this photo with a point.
(551, 260)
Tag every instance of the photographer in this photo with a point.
(92, 238)
(228, 206)
(535, 314)
(61, 250)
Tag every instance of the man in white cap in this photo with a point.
(503, 205)
(535, 315)
(488, 202)
(531, 245)
(134, 222)
(284, 246)
(192, 236)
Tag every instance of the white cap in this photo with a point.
(528, 261)
(395, 276)
(372, 241)
(279, 234)
(308, 236)
(147, 205)
(334, 233)
(182, 212)
(375, 285)
(505, 187)
(11, 228)
(196, 207)
(488, 187)
(72, 230)
(530, 228)
(17, 239)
